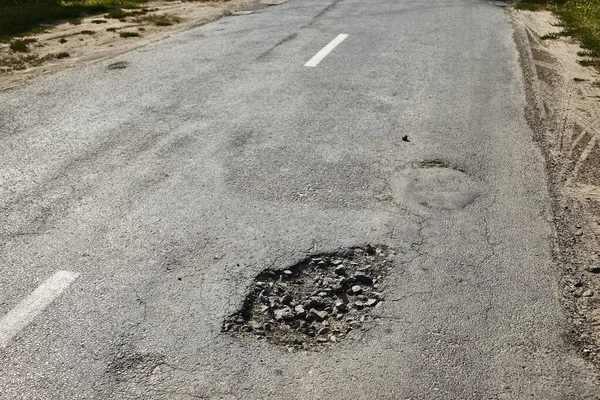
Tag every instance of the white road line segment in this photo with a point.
(22, 315)
(313, 62)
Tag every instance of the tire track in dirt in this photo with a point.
(570, 95)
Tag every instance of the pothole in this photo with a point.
(437, 163)
(118, 65)
(316, 303)
(132, 366)
(272, 2)
(435, 184)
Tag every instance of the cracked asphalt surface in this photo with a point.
(170, 184)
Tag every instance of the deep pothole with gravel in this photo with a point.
(315, 303)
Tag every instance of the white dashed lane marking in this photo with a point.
(313, 62)
(22, 315)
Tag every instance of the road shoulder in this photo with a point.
(563, 112)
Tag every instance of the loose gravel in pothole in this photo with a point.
(315, 303)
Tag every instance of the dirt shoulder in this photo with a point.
(566, 118)
(99, 37)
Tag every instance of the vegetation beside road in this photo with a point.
(26, 17)
(578, 18)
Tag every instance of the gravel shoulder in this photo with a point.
(100, 38)
(566, 118)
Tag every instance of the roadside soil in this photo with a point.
(567, 123)
(101, 38)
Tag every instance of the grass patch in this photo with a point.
(159, 19)
(87, 32)
(579, 19)
(126, 34)
(113, 29)
(99, 21)
(122, 14)
(62, 40)
(24, 17)
(21, 45)
(21, 62)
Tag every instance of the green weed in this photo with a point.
(579, 19)
(126, 34)
(21, 45)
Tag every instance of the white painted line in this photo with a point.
(313, 62)
(22, 315)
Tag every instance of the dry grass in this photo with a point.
(159, 19)
(16, 63)
(21, 45)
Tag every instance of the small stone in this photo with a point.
(594, 269)
(256, 325)
(322, 294)
(318, 315)
(587, 293)
(264, 308)
(300, 311)
(273, 301)
(287, 272)
(340, 270)
(371, 302)
(246, 328)
(322, 340)
(333, 338)
(227, 327)
(358, 304)
(283, 313)
(356, 289)
(342, 308)
(336, 288)
(323, 331)
(302, 324)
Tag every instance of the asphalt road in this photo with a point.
(163, 188)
